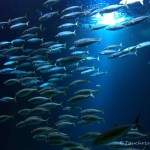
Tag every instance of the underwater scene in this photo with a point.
(75, 75)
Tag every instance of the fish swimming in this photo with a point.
(136, 20)
(72, 8)
(86, 41)
(67, 25)
(19, 25)
(128, 2)
(110, 8)
(65, 34)
(114, 133)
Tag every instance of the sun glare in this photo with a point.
(109, 18)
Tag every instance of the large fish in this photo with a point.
(114, 133)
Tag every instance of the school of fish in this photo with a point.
(43, 80)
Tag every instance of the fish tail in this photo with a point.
(103, 120)
(42, 39)
(100, 40)
(77, 23)
(12, 117)
(93, 67)
(57, 12)
(98, 122)
(121, 44)
(142, 2)
(65, 45)
(41, 27)
(64, 92)
(135, 53)
(26, 16)
(87, 52)
(8, 21)
(61, 105)
(27, 23)
(15, 99)
(22, 47)
(74, 32)
(102, 112)
(126, 5)
(79, 108)
(88, 80)
(98, 58)
(92, 95)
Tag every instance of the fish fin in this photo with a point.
(64, 68)
(100, 40)
(106, 73)
(74, 32)
(98, 59)
(137, 122)
(42, 39)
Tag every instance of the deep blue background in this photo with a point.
(125, 91)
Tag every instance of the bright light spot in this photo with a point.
(110, 18)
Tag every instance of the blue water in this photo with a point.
(124, 91)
